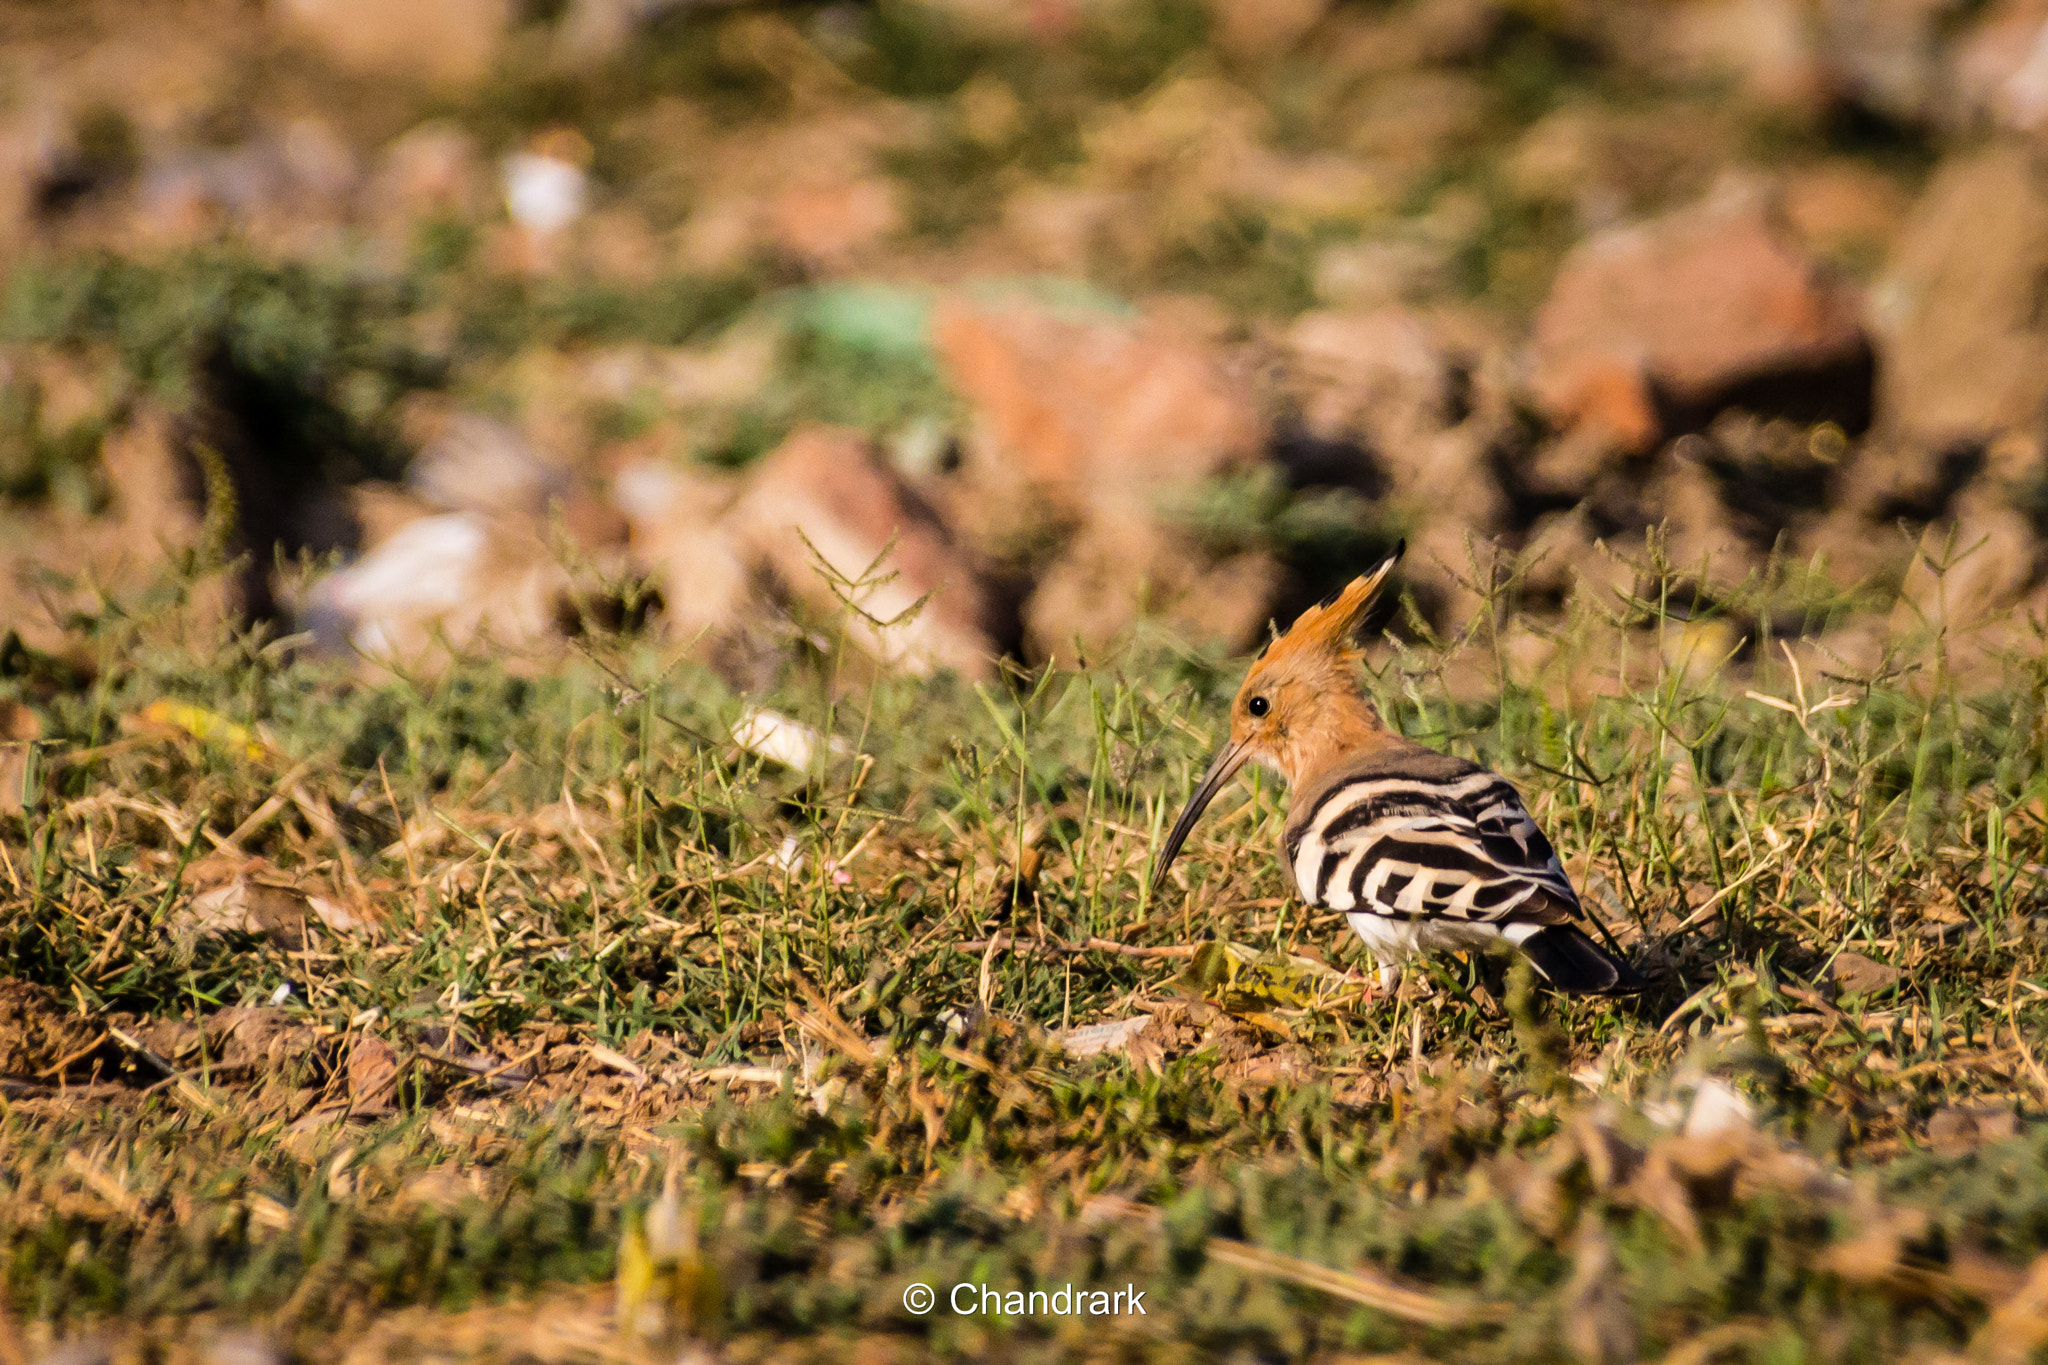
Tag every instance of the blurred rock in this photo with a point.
(18, 723)
(1408, 123)
(2017, 464)
(822, 510)
(443, 582)
(1883, 55)
(448, 41)
(433, 169)
(240, 1348)
(1674, 316)
(1843, 208)
(1304, 192)
(1120, 569)
(826, 223)
(478, 464)
(1371, 274)
(1378, 377)
(61, 564)
(989, 111)
(1059, 227)
(13, 778)
(1562, 559)
(1879, 55)
(1367, 41)
(290, 185)
(1998, 67)
(1958, 1130)
(1608, 163)
(1259, 30)
(1770, 46)
(1965, 349)
(1851, 549)
(680, 538)
(1569, 467)
(1448, 566)
(1970, 570)
(1183, 157)
(381, 509)
(1090, 412)
(594, 31)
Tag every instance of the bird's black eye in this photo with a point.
(1258, 706)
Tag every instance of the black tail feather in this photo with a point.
(1576, 965)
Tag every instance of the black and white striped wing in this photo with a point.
(1421, 848)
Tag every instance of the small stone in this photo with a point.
(1378, 377)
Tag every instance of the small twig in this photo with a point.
(187, 1090)
(478, 1069)
(616, 1061)
(1396, 1301)
(746, 1075)
(1053, 945)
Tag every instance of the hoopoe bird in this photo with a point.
(1421, 852)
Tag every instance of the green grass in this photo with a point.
(555, 865)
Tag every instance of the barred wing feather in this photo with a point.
(1415, 848)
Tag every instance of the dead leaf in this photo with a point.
(1113, 1035)
(1854, 974)
(1252, 985)
(209, 727)
(253, 897)
(372, 1077)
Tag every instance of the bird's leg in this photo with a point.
(1390, 975)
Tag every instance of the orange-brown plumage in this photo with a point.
(1301, 708)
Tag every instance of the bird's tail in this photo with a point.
(1576, 965)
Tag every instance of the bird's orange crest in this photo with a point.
(1328, 629)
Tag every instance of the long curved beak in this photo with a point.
(1222, 768)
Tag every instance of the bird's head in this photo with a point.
(1301, 706)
